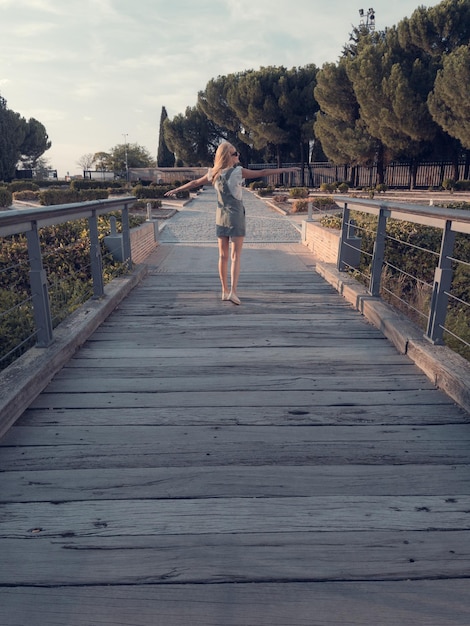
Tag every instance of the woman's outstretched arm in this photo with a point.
(190, 185)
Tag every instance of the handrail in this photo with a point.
(416, 213)
(16, 221)
(450, 221)
(29, 221)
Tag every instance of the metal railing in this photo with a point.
(375, 262)
(29, 222)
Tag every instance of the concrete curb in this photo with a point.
(26, 378)
(445, 369)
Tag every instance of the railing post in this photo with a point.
(341, 266)
(442, 283)
(95, 257)
(378, 255)
(40, 296)
(126, 237)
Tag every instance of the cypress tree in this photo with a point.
(165, 158)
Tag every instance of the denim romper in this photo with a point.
(230, 216)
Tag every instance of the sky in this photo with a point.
(96, 73)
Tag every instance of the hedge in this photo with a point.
(6, 197)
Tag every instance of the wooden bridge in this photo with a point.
(202, 464)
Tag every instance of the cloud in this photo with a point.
(90, 70)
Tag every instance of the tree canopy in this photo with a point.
(116, 159)
(21, 141)
(397, 94)
(449, 101)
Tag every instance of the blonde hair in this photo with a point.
(221, 159)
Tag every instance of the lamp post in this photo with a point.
(369, 18)
(125, 152)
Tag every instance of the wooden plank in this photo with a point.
(373, 353)
(108, 518)
(238, 481)
(411, 437)
(412, 414)
(138, 380)
(156, 454)
(258, 339)
(298, 399)
(408, 603)
(233, 558)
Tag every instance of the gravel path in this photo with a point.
(196, 222)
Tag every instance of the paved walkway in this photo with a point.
(196, 222)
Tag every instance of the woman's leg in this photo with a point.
(237, 245)
(223, 264)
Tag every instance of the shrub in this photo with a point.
(299, 206)
(5, 197)
(332, 221)
(343, 187)
(448, 184)
(462, 185)
(86, 195)
(257, 184)
(331, 187)
(281, 198)
(265, 191)
(381, 188)
(156, 191)
(26, 196)
(22, 185)
(298, 192)
(56, 195)
(78, 185)
(325, 202)
(142, 204)
(142, 191)
(120, 191)
(461, 206)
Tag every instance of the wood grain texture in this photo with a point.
(273, 464)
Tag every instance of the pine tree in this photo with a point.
(165, 158)
(449, 102)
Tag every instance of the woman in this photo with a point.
(227, 176)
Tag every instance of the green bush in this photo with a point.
(257, 184)
(324, 202)
(156, 191)
(79, 185)
(26, 196)
(298, 192)
(23, 185)
(6, 197)
(381, 188)
(86, 195)
(55, 195)
(265, 191)
(328, 187)
(299, 206)
(120, 191)
(462, 185)
(142, 204)
(343, 187)
(448, 184)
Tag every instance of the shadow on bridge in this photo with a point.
(201, 463)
